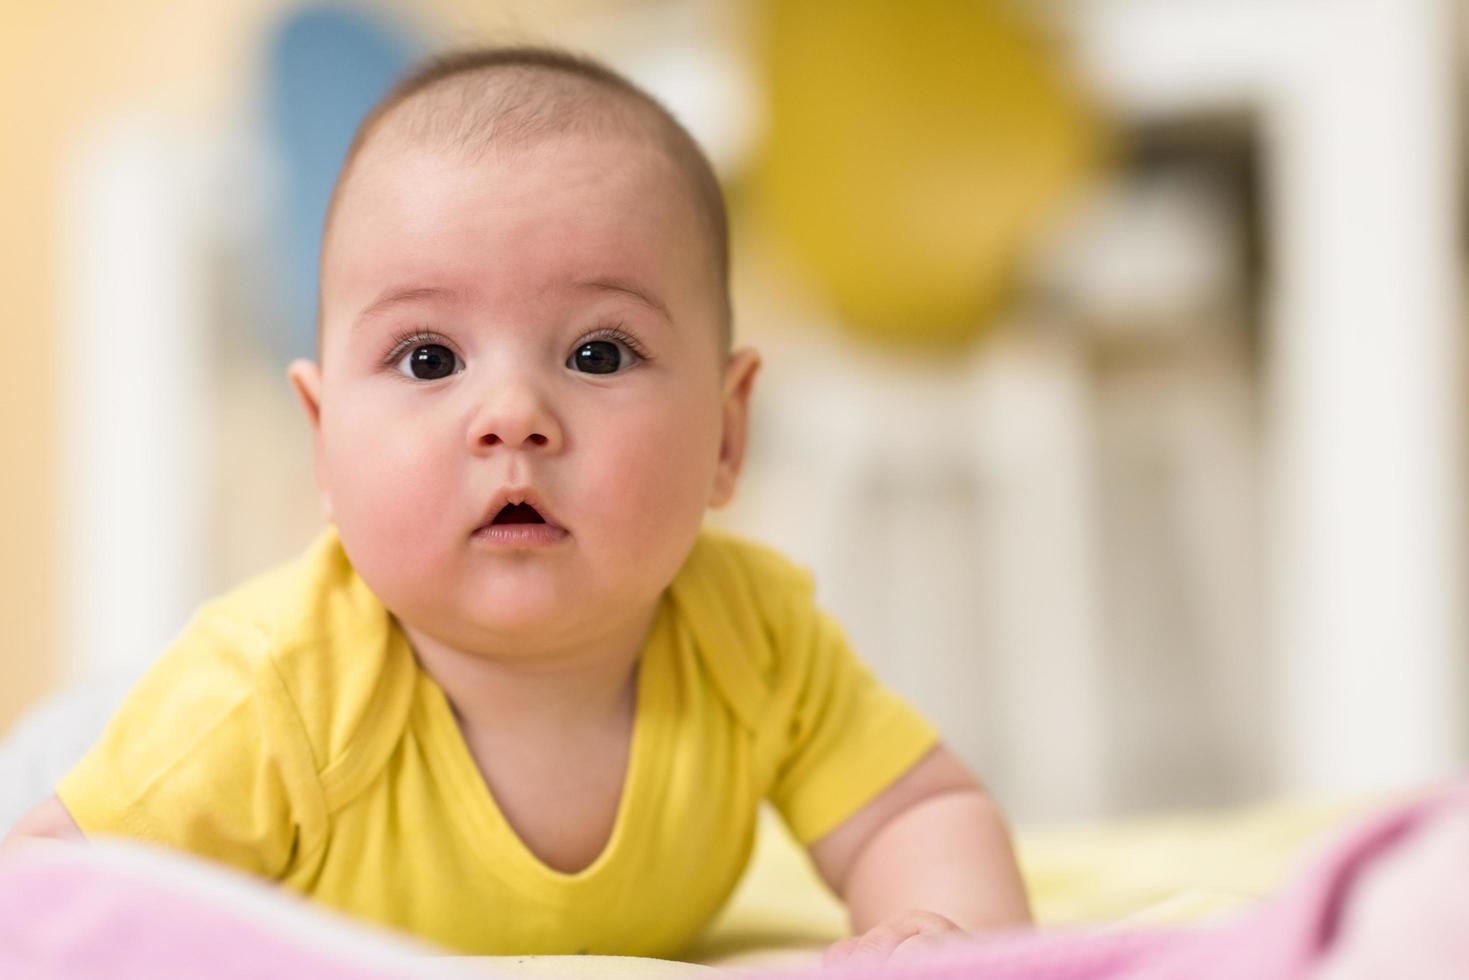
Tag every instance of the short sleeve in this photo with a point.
(847, 738)
(206, 755)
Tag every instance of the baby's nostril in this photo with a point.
(493, 439)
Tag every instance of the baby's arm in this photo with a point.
(49, 819)
(928, 856)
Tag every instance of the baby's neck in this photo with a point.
(575, 685)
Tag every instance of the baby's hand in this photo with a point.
(902, 935)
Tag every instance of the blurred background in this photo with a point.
(1114, 377)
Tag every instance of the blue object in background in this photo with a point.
(327, 66)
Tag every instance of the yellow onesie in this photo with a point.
(290, 732)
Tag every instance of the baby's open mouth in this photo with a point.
(518, 514)
(519, 523)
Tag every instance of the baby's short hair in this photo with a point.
(475, 99)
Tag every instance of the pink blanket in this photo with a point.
(127, 912)
(1389, 899)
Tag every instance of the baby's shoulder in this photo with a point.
(750, 610)
(733, 568)
(305, 602)
(309, 632)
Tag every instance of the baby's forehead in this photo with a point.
(531, 230)
(394, 158)
(513, 113)
(405, 193)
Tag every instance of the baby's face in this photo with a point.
(536, 326)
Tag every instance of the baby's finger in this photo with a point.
(923, 942)
(839, 951)
(879, 941)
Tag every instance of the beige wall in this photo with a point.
(25, 238)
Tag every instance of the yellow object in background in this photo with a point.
(915, 150)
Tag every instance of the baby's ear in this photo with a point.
(739, 381)
(305, 378)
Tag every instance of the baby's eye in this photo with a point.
(601, 357)
(429, 362)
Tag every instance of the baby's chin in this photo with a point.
(517, 620)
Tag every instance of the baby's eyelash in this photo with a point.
(402, 342)
(615, 333)
(405, 341)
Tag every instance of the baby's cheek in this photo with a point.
(662, 479)
(389, 498)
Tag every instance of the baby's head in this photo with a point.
(524, 316)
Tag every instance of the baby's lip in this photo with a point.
(517, 495)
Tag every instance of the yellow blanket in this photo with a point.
(1160, 869)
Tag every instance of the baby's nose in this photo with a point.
(517, 418)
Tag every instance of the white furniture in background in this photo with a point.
(133, 400)
(1364, 412)
(947, 509)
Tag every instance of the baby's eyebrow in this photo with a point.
(392, 297)
(620, 285)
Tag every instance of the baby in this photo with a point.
(514, 699)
